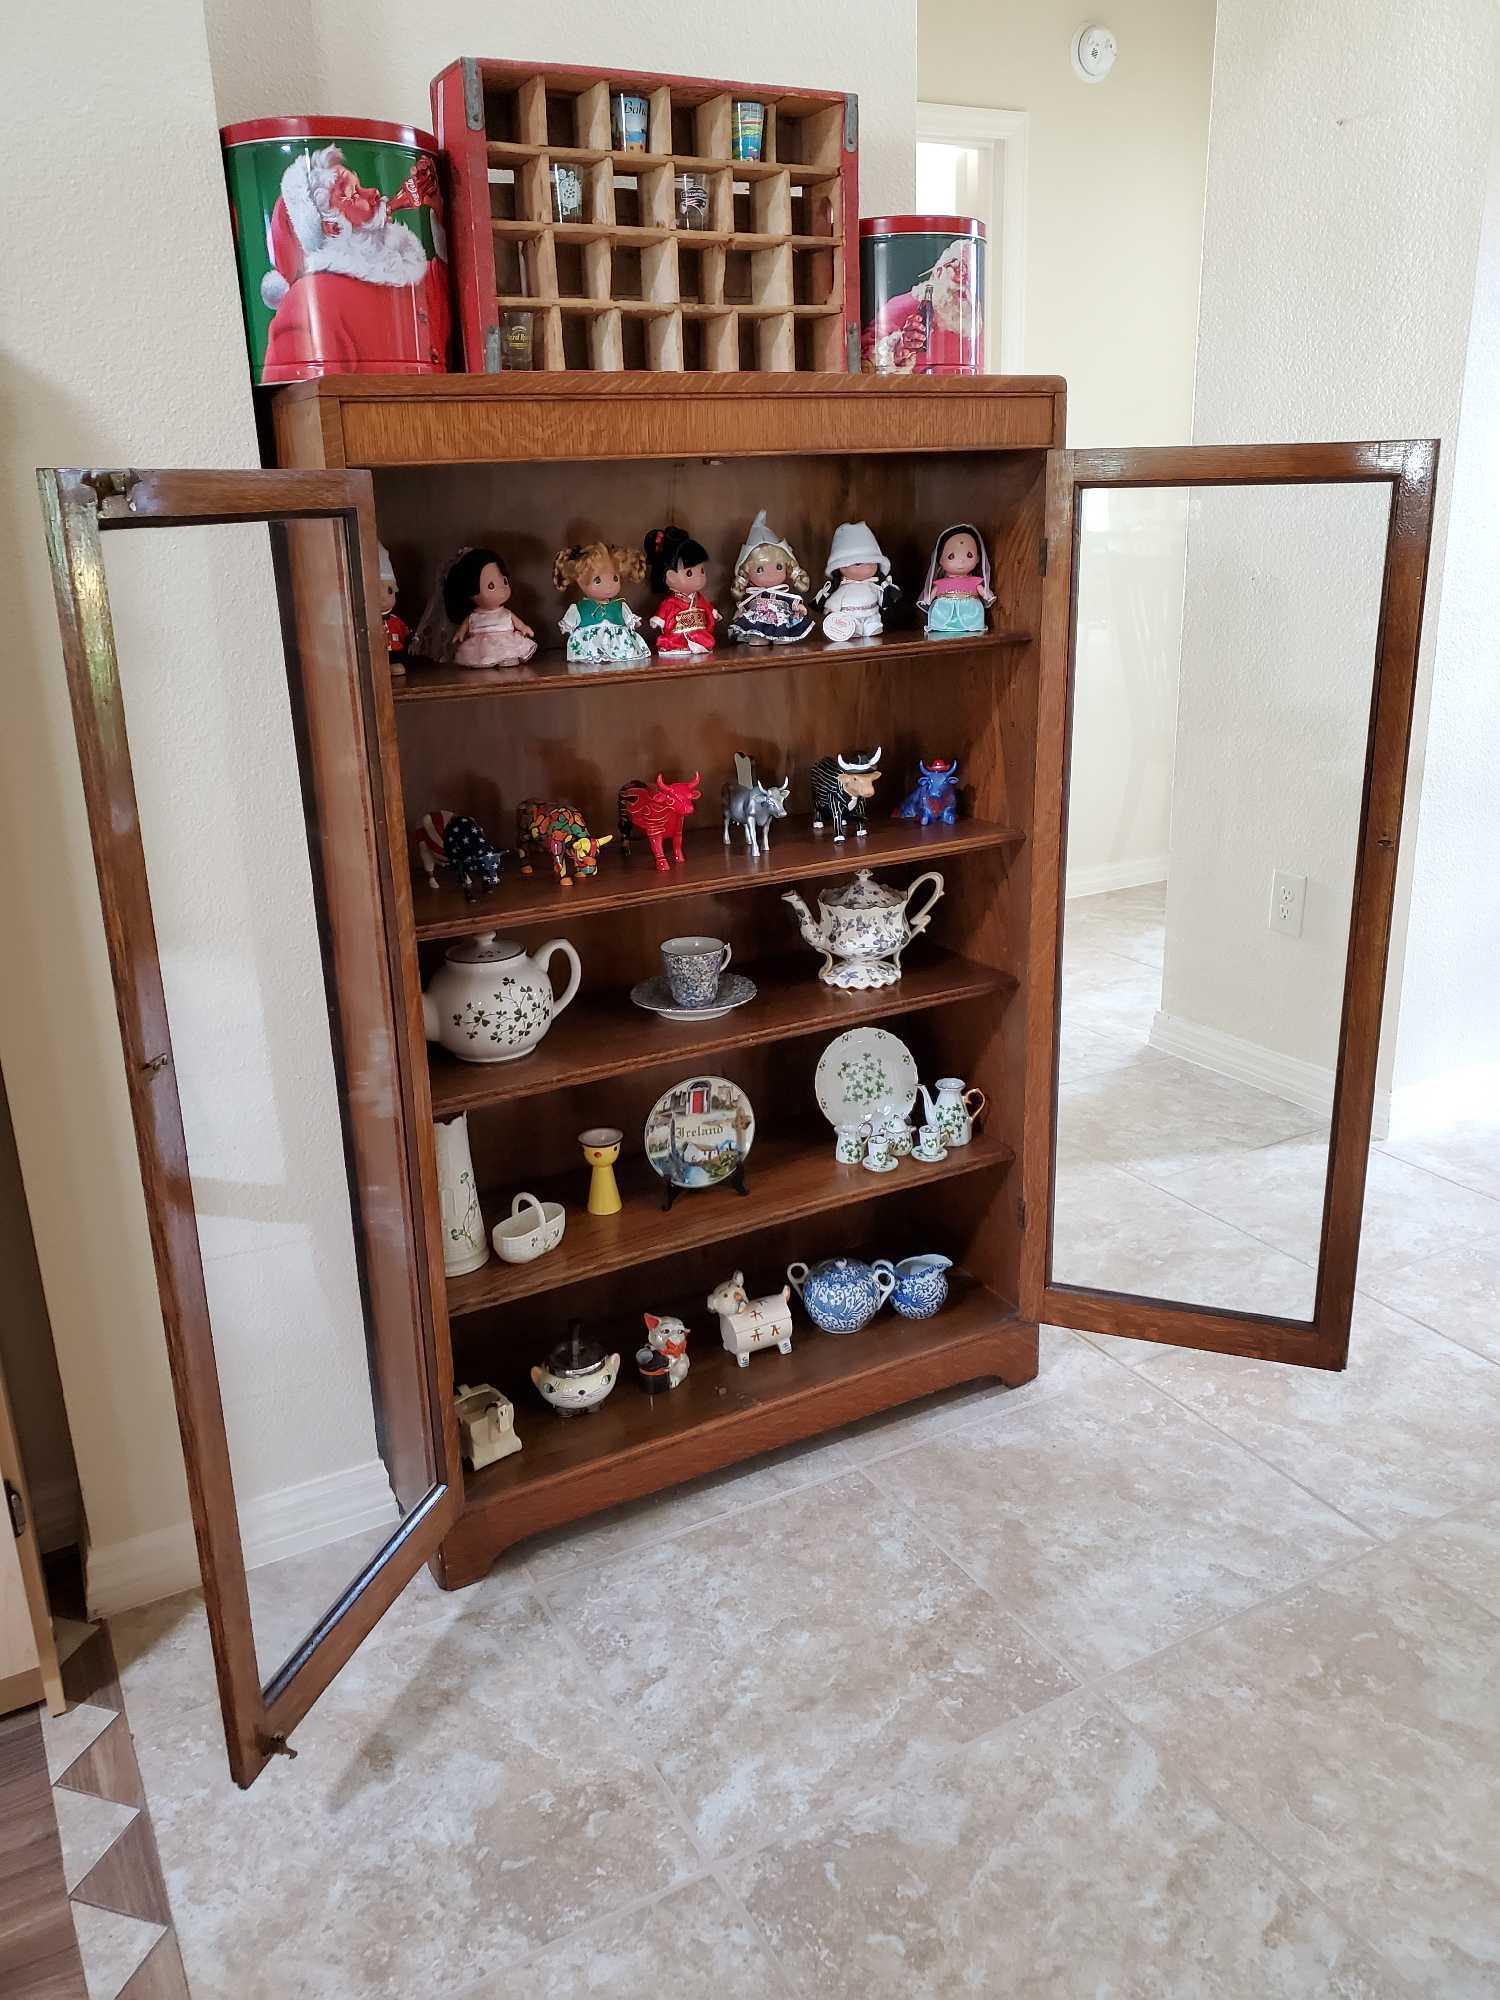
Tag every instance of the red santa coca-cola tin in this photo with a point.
(921, 281)
(338, 226)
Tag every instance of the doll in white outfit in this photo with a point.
(859, 584)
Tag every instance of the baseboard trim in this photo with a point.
(286, 1522)
(1307, 1084)
(1107, 875)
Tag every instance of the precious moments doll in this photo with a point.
(767, 581)
(859, 584)
(397, 631)
(957, 590)
(476, 600)
(601, 628)
(679, 569)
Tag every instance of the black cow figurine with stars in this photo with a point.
(452, 840)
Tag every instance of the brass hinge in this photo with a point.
(17, 1508)
(473, 95)
(277, 1746)
(1042, 564)
(851, 124)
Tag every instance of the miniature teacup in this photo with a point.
(532, 1228)
(878, 1152)
(694, 966)
(849, 1144)
(929, 1146)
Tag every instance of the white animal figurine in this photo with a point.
(670, 1337)
(487, 1423)
(746, 1324)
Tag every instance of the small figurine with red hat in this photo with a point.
(397, 631)
(935, 794)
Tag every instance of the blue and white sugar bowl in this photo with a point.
(919, 1284)
(841, 1294)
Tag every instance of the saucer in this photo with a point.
(889, 1167)
(655, 995)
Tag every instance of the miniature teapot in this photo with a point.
(490, 1001)
(950, 1111)
(841, 1294)
(578, 1375)
(864, 927)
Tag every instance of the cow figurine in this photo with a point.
(751, 805)
(746, 1324)
(451, 840)
(658, 812)
(935, 794)
(559, 831)
(840, 788)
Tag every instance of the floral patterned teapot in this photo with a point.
(864, 927)
(490, 1001)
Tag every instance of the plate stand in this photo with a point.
(736, 1180)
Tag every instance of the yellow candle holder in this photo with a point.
(601, 1148)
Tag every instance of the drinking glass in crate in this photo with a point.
(692, 201)
(567, 193)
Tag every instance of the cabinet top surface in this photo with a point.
(585, 385)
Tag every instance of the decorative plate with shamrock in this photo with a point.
(865, 1073)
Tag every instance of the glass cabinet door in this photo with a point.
(279, 1144)
(1228, 664)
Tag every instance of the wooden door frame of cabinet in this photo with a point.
(336, 697)
(1409, 468)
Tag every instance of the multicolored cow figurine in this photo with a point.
(935, 794)
(451, 840)
(560, 831)
(840, 788)
(658, 812)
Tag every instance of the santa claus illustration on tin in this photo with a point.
(351, 289)
(934, 329)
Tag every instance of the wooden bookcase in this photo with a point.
(771, 282)
(533, 463)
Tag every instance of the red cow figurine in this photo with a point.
(658, 812)
(558, 830)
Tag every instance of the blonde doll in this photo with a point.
(768, 581)
(601, 628)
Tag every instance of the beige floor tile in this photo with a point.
(1055, 1860)
(1163, 1118)
(1353, 1728)
(1109, 994)
(692, 1945)
(798, 1658)
(1086, 1052)
(1112, 1522)
(1277, 1194)
(1456, 1292)
(461, 1797)
(165, 1661)
(1468, 1153)
(641, 1525)
(1098, 924)
(1464, 1551)
(87, 1827)
(111, 1947)
(66, 1737)
(1408, 1431)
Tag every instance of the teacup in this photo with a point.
(878, 1153)
(849, 1144)
(694, 966)
(929, 1146)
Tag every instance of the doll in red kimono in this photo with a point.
(678, 569)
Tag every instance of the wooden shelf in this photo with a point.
(788, 1178)
(606, 1034)
(708, 1413)
(550, 671)
(710, 868)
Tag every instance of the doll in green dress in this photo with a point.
(601, 628)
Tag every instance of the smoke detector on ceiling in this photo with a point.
(1093, 53)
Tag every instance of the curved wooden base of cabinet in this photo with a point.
(571, 1467)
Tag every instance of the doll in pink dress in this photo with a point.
(678, 568)
(476, 602)
(956, 591)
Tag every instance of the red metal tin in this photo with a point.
(922, 294)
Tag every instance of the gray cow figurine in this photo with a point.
(840, 788)
(752, 806)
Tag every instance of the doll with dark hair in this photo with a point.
(476, 599)
(956, 591)
(678, 568)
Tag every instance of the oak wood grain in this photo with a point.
(39, 1957)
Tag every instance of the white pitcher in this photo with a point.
(950, 1111)
(465, 1245)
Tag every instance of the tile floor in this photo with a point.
(1164, 1677)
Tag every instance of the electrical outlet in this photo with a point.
(1288, 900)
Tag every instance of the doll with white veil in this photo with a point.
(956, 590)
(768, 583)
(859, 587)
(468, 621)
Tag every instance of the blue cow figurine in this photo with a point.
(935, 794)
(453, 840)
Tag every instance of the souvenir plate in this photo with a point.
(865, 1071)
(699, 1132)
(655, 995)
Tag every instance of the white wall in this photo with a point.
(1347, 166)
(125, 347)
(1114, 223)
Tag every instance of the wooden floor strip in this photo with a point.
(39, 1957)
